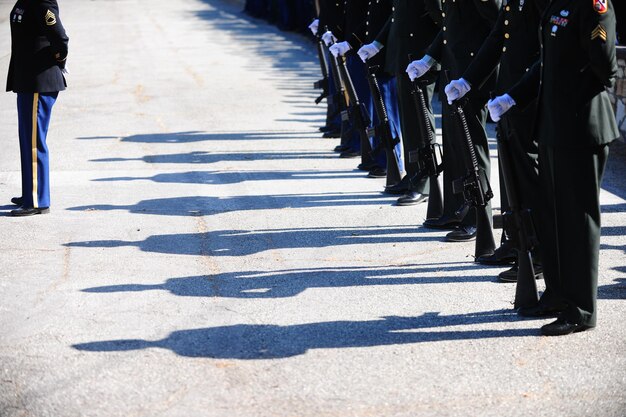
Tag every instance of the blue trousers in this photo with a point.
(389, 93)
(33, 112)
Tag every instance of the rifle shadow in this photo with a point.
(291, 282)
(194, 136)
(243, 242)
(262, 342)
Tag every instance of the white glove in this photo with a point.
(340, 48)
(500, 105)
(314, 26)
(368, 51)
(328, 37)
(457, 89)
(420, 67)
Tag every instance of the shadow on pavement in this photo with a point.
(198, 136)
(288, 283)
(615, 291)
(200, 206)
(242, 243)
(246, 341)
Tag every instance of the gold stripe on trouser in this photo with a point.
(34, 149)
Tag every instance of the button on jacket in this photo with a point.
(38, 49)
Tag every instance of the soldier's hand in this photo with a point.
(314, 26)
(368, 51)
(420, 67)
(340, 48)
(328, 37)
(500, 105)
(457, 89)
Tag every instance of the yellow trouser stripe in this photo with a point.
(34, 148)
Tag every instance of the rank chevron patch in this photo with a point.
(599, 32)
(51, 19)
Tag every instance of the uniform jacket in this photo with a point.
(466, 25)
(513, 43)
(410, 29)
(332, 14)
(377, 14)
(577, 64)
(38, 48)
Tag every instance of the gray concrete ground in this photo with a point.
(207, 255)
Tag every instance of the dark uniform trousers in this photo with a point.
(466, 24)
(411, 27)
(34, 111)
(389, 93)
(578, 64)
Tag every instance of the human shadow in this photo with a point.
(199, 136)
(207, 205)
(252, 341)
(243, 242)
(291, 282)
(232, 177)
(616, 291)
(208, 157)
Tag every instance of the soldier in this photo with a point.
(466, 24)
(38, 54)
(377, 13)
(513, 43)
(410, 29)
(574, 124)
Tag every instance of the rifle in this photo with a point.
(340, 102)
(355, 112)
(474, 186)
(383, 129)
(323, 83)
(426, 157)
(518, 221)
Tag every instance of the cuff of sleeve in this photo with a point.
(430, 60)
(378, 45)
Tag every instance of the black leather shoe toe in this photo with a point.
(441, 223)
(462, 234)
(341, 148)
(540, 310)
(562, 327)
(350, 154)
(17, 201)
(331, 134)
(411, 198)
(23, 212)
(504, 255)
(367, 166)
(510, 275)
(377, 173)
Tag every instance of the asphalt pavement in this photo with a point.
(207, 254)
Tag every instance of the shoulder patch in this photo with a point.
(51, 19)
(600, 6)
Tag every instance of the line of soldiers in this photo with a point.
(546, 64)
(285, 14)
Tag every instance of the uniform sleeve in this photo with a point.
(433, 8)
(357, 37)
(527, 89)
(597, 37)
(53, 29)
(488, 56)
(488, 9)
(435, 50)
(384, 33)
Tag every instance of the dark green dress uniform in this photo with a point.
(575, 123)
(514, 45)
(466, 25)
(410, 30)
(332, 15)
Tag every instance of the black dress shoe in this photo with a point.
(411, 198)
(327, 128)
(462, 233)
(350, 154)
(17, 201)
(562, 327)
(399, 188)
(377, 173)
(504, 255)
(367, 166)
(442, 223)
(23, 211)
(540, 310)
(341, 148)
(510, 275)
(331, 134)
